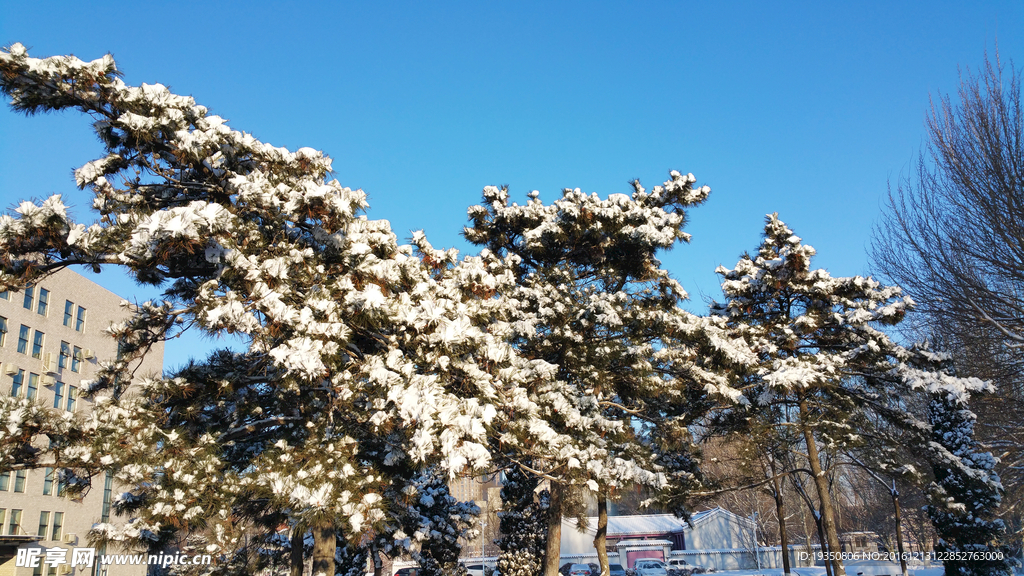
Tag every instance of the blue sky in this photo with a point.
(810, 109)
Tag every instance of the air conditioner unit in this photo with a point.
(49, 364)
(70, 538)
(88, 354)
(11, 370)
(48, 380)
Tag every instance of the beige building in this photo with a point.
(51, 338)
(485, 491)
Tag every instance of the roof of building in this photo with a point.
(655, 524)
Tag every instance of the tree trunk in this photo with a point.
(324, 547)
(780, 511)
(552, 552)
(822, 543)
(899, 529)
(378, 564)
(298, 561)
(821, 483)
(601, 540)
(798, 485)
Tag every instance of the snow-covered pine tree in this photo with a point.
(592, 301)
(433, 525)
(966, 491)
(362, 354)
(823, 359)
(523, 521)
(350, 559)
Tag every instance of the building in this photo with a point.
(485, 492)
(863, 542)
(715, 538)
(51, 338)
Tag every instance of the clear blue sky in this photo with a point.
(805, 108)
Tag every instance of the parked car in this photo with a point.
(475, 569)
(567, 568)
(616, 570)
(408, 572)
(580, 570)
(647, 567)
(680, 567)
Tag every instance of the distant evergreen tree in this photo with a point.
(441, 522)
(966, 491)
(350, 559)
(824, 364)
(523, 522)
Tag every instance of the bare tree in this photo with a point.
(953, 238)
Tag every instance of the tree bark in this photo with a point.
(601, 539)
(899, 529)
(378, 564)
(823, 545)
(780, 511)
(298, 561)
(552, 551)
(324, 547)
(821, 483)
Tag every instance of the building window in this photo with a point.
(44, 523)
(80, 320)
(69, 312)
(108, 489)
(44, 302)
(48, 482)
(100, 569)
(5, 482)
(23, 339)
(29, 291)
(33, 386)
(19, 480)
(65, 353)
(58, 526)
(17, 382)
(14, 524)
(76, 360)
(62, 482)
(72, 398)
(5, 295)
(58, 394)
(3, 330)
(37, 344)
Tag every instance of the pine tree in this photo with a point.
(966, 491)
(592, 303)
(523, 524)
(824, 364)
(434, 525)
(363, 357)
